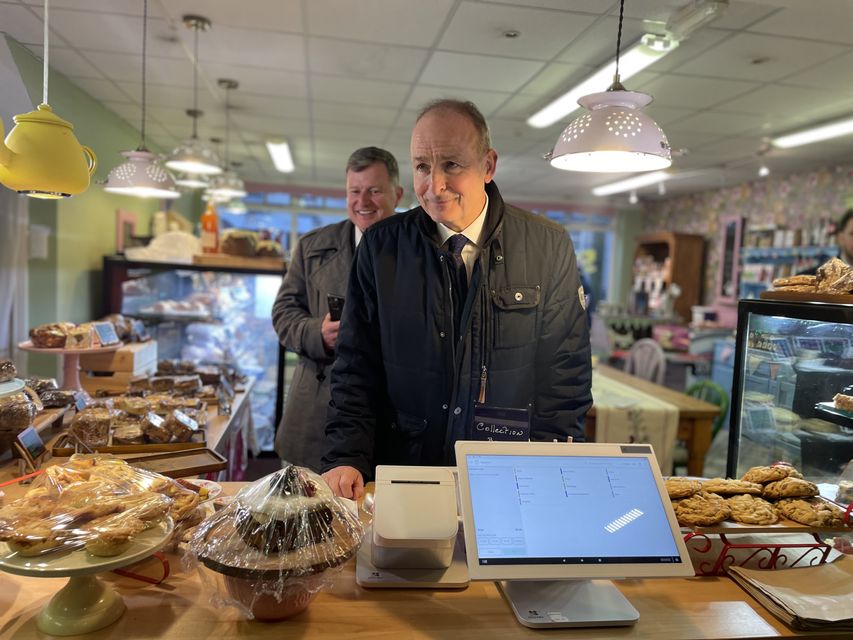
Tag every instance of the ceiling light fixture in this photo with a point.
(763, 171)
(695, 14)
(632, 198)
(662, 188)
(192, 155)
(41, 157)
(141, 175)
(647, 51)
(815, 134)
(191, 181)
(281, 157)
(615, 136)
(227, 185)
(628, 184)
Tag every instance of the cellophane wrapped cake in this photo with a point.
(276, 545)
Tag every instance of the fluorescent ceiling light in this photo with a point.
(648, 50)
(694, 15)
(629, 184)
(281, 158)
(815, 134)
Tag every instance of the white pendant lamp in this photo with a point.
(192, 155)
(142, 175)
(614, 135)
(191, 181)
(227, 185)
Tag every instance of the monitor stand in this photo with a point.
(568, 603)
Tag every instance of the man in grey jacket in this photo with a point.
(320, 266)
(461, 301)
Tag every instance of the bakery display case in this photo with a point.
(208, 315)
(792, 359)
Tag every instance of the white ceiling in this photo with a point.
(333, 75)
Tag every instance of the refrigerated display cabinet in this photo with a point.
(211, 316)
(791, 359)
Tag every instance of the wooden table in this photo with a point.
(695, 417)
(670, 609)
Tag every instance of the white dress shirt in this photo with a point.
(472, 233)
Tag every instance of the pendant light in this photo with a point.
(191, 181)
(227, 185)
(41, 157)
(141, 175)
(192, 155)
(614, 136)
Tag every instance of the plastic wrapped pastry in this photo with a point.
(51, 336)
(7, 370)
(16, 412)
(91, 426)
(276, 543)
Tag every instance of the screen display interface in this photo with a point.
(568, 510)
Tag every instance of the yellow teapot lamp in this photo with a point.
(42, 158)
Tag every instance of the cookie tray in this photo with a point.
(65, 446)
(179, 464)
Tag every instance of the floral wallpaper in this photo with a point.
(796, 201)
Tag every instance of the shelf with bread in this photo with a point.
(766, 501)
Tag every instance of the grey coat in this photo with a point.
(320, 266)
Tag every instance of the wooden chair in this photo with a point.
(710, 391)
(646, 360)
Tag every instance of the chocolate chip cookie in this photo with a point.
(702, 509)
(750, 509)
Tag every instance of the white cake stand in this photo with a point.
(85, 604)
(70, 360)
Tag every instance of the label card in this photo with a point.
(500, 423)
(106, 333)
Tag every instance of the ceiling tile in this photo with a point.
(555, 78)
(694, 46)
(379, 21)
(776, 101)
(283, 16)
(486, 101)
(109, 32)
(686, 91)
(22, 24)
(739, 15)
(269, 49)
(358, 91)
(466, 71)
(596, 46)
(372, 61)
(737, 57)
(125, 66)
(588, 6)
(356, 114)
(823, 25)
(68, 62)
(103, 90)
(259, 81)
(837, 72)
(721, 123)
(543, 33)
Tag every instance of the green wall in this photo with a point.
(67, 285)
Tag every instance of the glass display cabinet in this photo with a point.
(791, 359)
(208, 315)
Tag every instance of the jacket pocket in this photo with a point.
(407, 435)
(516, 312)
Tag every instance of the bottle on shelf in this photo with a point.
(210, 230)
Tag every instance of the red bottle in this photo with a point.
(210, 230)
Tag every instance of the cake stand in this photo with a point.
(85, 604)
(70, 360)
(11, 386)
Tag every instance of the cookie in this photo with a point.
(681, 487)
(811, 512)
(725, 486)
(702, 509)
(795, 281)
(763, 475)
(752, 510)
(790, 488)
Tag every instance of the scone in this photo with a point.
(811, 512)
(763, 475)
(725, 486)
(752, 510)
(702, 509)
(681, 487)
(790, 488)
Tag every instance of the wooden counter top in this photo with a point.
(670, 609)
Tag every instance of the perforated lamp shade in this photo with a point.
(141, 176)
(193, 156)
(614, 136)
(225, 186)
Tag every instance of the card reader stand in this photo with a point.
(414, 540)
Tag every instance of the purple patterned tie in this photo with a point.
(460, 281)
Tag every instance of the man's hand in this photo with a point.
(329, 330)
(345, 482)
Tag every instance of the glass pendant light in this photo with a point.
(191, 181)
(614, 135)
(227, 185)
(192, 155)
(141, 175)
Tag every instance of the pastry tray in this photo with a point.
(64, 446)
(783, 526)
(179, 464)
(828, 411)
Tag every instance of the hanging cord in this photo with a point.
(195, 82)
(144, 51)
(46, 53)
(617, 85)
(227, 126)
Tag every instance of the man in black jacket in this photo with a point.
(423, 339)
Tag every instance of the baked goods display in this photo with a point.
(16, 412)
(276, 542)
(67, 335)
(763, 496)
(845, 492)
(843, 401)
(238, 242)
(7, 370)
(269, 249)
(833, 277)
(94, 503)
(50, 336)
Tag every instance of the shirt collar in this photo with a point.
(358, 234)
(472, 232)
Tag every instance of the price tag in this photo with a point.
(81, 399)
(500, 423)
(106, 333)
(140, 331)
